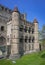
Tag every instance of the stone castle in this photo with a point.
(17, 35)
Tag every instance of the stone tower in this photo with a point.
(15, 32)
(36, 44)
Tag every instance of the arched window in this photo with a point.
(21, 39)
(29, 30)
(25, 29)
(21, 28)
(30, 39)
(33, 40)
(26, 38)
(32, 30)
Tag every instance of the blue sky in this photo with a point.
(33, 9)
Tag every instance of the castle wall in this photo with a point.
(21, 36)
(5, 16)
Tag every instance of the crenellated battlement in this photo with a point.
(3, 8)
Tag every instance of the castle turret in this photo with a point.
(15, 32)
(36, 44)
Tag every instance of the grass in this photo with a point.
(30, 59)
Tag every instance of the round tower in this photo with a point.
(36, 44)
(15, 32)
(15, 16)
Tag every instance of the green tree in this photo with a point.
(42, 37)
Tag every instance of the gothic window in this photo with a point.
(21, 28)
(33, 40)
(25, 29)
(32, 31)
(26, 38)
(21, 39)
(29, 30)
(30, 39)
(2, 28)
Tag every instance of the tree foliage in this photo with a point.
(42, 37)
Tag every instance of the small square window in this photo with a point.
(2, 28)
(21, 40)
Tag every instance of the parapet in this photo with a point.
(3, 8)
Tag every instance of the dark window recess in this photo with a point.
(33, 40)
(29, 39)
(2, 28)
(21, 40)
(8, 50)
(2, 8)
(29, 30)
(25, 29)
(26, 38)
(32, 31)
(21, 28)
